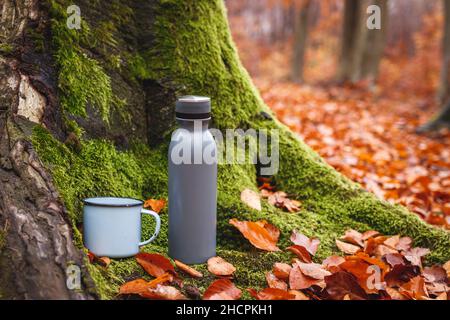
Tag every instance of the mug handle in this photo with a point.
(158, 226)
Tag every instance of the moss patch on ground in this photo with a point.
(193, 49)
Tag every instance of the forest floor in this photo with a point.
(370, 137)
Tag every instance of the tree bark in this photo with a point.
(60, 144)
(37, 244)
(301, 23)
(361, 49)
(442, 119)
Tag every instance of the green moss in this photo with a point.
(2, 239)
(6, 48)
(193, 49)
(81, 79)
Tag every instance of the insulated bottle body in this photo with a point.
(192, 192)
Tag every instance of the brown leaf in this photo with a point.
(189, 270)
(415, 289)
(313, 270)
(219, 267)
(364, 274)
(251, 199)
(343, 283)
(301, 253)
(162, 292)
(394, 259)
(292, 205)
(310, 244)
(415, 255)
(274, 282)
(347, 248)
(369, 234)
(404, 244)
(353, 237)
(155, 205)
(400, 274)
(261, 234)
(435, 274)
(104, 261)
(281, 270)
(155, 264)
(446, 266)
(394, 294)
(392, 242)
(140, 286)
(443, 296)
(332, 263)
(299, 295)
(271, 294)
(137, 286)
(222, 289)
(298, 281)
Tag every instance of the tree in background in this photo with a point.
(362, 48)
(442, 119)
(301, 30)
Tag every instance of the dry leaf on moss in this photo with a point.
(222, 289)
(219, 267)
(188, 270)
(155, 205)
(162, 292)
(261, 234)
(251, 199)
(310, 244)
(155, 264)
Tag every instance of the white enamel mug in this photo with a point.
(112, 226)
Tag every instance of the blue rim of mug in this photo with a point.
(87, 202)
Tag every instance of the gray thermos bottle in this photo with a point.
(192, 183)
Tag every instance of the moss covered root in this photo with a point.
(193, 49)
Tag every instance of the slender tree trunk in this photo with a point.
(375, 44)
(301, 31)
(362, 48)
(442, 119)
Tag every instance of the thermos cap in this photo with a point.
(193, 107)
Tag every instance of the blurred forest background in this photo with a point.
(373, 103)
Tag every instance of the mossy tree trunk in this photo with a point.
(89, 112)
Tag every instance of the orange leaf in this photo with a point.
(271, 294)
(281, 270)
(301, 253)
(251, 198)
(155, 205)
(310, 244)
(313, 270)
(222, 289)
(274, 282)
(219, 267)
(140, 286)
(261, 234)
(189, 270)
(298, 281)
(137, 286)
(162, 292)
(347, 247)
(415, 289)
(155, 264)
